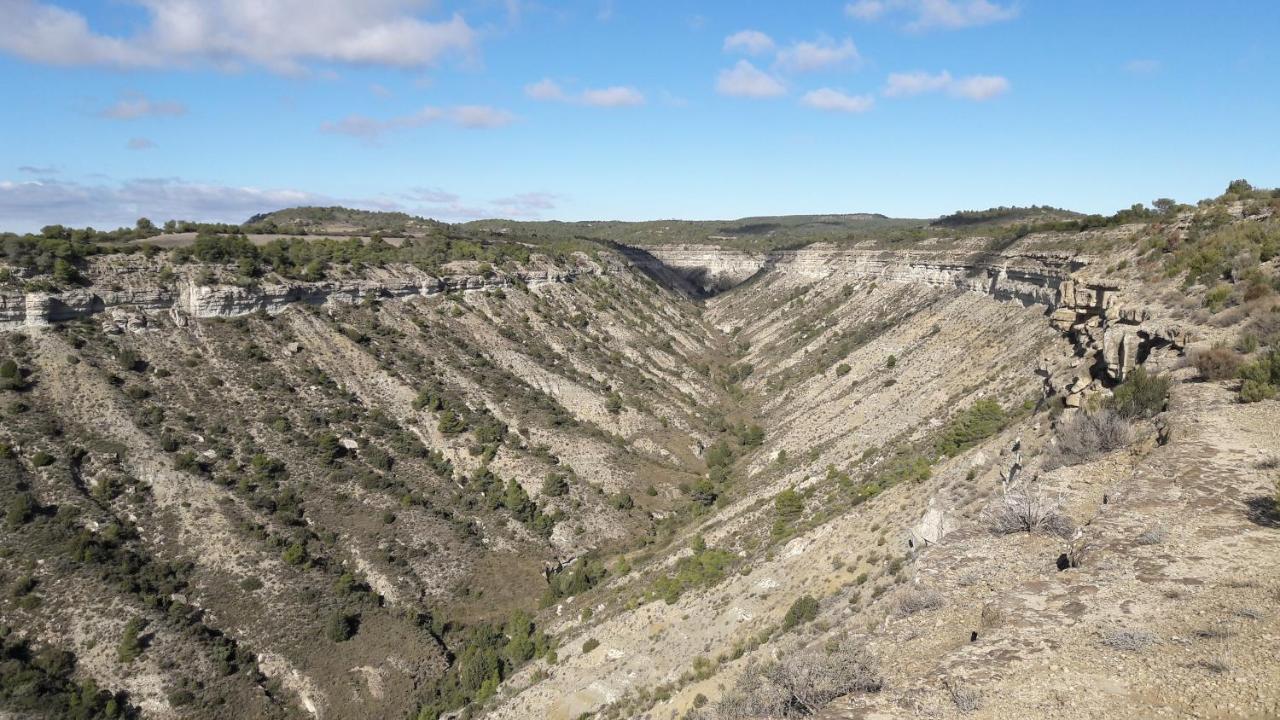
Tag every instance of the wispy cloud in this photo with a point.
(32, 204)
(283, 35)
(1144, 66)
(747, 81)
(751, 42)
(472, 117)
(139, 143)
(526, 205)
(37, 203)
(971, 87)
(819, 54)
(832, 100)
(920, 15)
(617, 96)
(37, 170)
(548, 90)
(137, 105)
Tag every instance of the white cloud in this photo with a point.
(746, 80)
(866, 9)
(37, 170)
(971, 87)
(979, 87)
(478, 116)
(464, 116)
(548, 90)
(545, 89)
(817, 55)
(139, 143)
(283, 35)
(1142, 66)
(380, 90)
(933, 14)
(132, 107)
(916, 83)
(752, 42)
(836, 101)
(617, 96)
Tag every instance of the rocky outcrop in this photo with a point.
(125, 309)
(709, 268)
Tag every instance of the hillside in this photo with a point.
(825, 466)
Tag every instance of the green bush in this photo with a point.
(622, 501)
(842, 369)
(971, 426)
(295, 554)
(706, 566)
(1261, 378)
(131, 645)
(589, 645)
(1140, 395)
(42, 459)
(555, 485)
(789, 505)
(451, 423)
(613, 403)
(341, 626)
(803, 610)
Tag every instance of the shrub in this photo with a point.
(622, 501)
(555, 485)
(341, 626)
(803, 610)
(589, 645)
(892, 362)
(131, 645)
(451, 423)
(801, 685)
(42, 459)
(1087, 435)
(1260, 378)
(1217, 363)
(789, 505)
(842, 369)
(973, 425)
(1141, 394)
(295, 554)
(613, 403)
(917, 599)
(1027, 510)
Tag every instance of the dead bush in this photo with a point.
(1128, 639)
(966, 698)
(801, 684)
(1088, 435)
(1028, 510)
(916, 599)
(1217, 363)
(1153, 535)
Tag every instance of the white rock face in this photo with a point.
(192, 300)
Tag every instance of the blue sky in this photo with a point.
(626, 109)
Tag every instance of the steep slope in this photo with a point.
(456, 478)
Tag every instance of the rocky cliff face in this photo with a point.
(186, 297)
(1114, 337)
(1111, 336)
